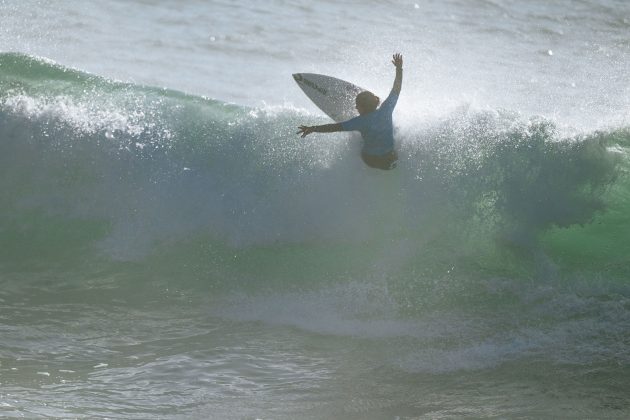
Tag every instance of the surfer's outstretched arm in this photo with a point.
(326, 128)
(398, 62)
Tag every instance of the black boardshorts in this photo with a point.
(386, 162)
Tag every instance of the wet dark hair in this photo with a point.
(368, 98)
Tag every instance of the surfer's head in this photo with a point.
(366, 102)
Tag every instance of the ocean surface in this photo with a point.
(170, 248)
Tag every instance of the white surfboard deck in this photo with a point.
(333, 96)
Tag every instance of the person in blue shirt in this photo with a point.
(374, 124)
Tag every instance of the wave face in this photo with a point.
(228, 196)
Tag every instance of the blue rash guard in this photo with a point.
(375, 128)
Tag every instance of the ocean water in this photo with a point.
(170, 248)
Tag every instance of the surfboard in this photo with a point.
(333, 96)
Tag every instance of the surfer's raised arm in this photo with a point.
(326, 128)
(398, 62)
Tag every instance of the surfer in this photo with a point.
(374, 124)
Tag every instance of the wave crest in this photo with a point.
(155, 168)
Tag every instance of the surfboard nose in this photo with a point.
(297, 77)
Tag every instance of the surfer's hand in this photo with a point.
(305, 130)
(398, 62)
